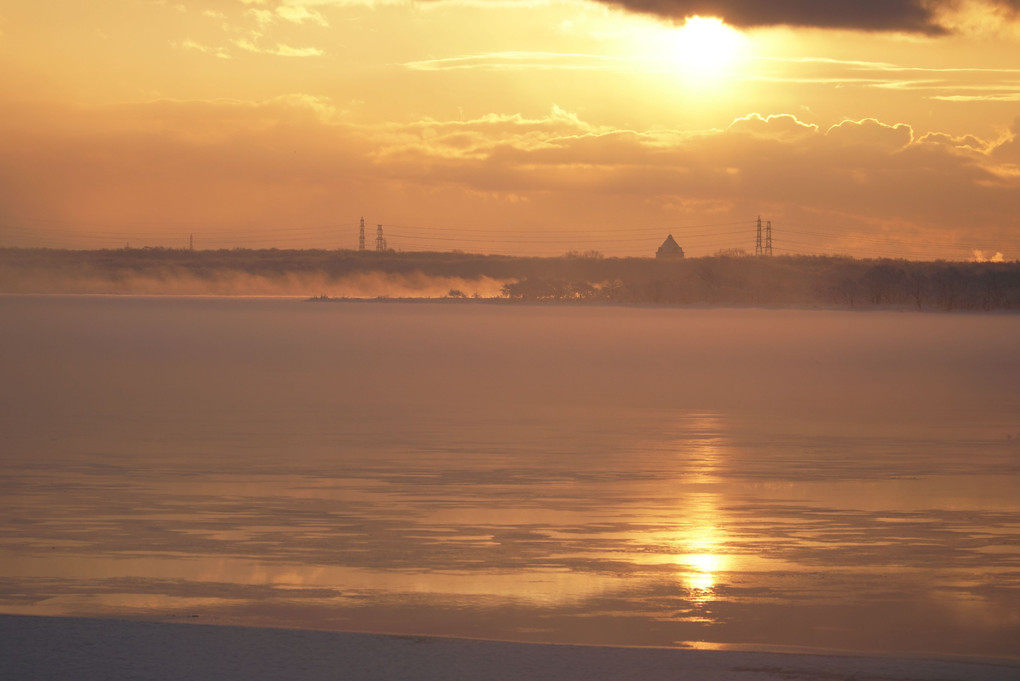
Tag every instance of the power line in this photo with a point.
(327, 232)
(589, 229)
(795, 239)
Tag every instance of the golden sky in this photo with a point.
(870, 128)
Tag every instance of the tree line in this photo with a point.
(794, 280)
(575, 277)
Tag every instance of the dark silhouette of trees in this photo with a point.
(882, 283)
(724, 279)
(948, 284)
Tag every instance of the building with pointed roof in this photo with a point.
(669, 249)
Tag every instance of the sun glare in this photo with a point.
(706, 47)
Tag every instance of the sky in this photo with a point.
(875, 128)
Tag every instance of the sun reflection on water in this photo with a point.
(701, 573)
(704, 571)
(701, 560)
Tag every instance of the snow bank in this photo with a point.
(110, 650)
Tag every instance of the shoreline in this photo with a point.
(505, 302)
(799, 281)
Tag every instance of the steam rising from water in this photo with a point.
(983, 256)
(169, 281)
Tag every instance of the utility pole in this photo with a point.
(361, 236)
(768, 238)
(757, 241)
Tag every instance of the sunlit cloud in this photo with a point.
(280, 50)
(246, 45)
(262, 16)
(999, 97)
(945, 84)
(871, 132)
(863, 65)
(295, 14)
(288, 51)
(218, 52)
(300, 14)
(968, 143)
(523, 61)
(785, 126)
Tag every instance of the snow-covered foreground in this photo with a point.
(83, 649)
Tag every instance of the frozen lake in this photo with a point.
(764, 479)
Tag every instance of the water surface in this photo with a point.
(629, 476)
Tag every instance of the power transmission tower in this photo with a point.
(380, 241)
(757, 240)
(361, 236)
(191, 242)
(768, 238)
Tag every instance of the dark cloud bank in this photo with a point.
(910, 16)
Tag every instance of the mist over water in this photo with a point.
(599, 475)
(179, 281)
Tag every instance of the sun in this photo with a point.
(705, 47)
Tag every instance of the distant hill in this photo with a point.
(721, 280)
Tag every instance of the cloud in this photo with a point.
(908, 16)
(281, 50)
(954, 84)
(218, 52)
(782, 126)
(942, 83)
(965, 143)
(295, 14)
(256, 26)
(288, 51)
(522, 61)
(991, 18)
(991, 97)
(262, 16)
(1008, 148)
(872, 133)
(300, 14)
